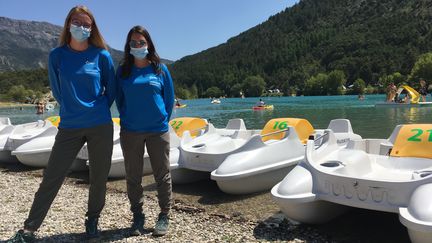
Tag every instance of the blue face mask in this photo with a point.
(139, 53)
(80, 33)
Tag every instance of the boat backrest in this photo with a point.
(55, 120)
(5, 121)
(413, 140)
(116, 120)
(236, 124)
(192, 124)
(302, 126)
(394, 134)
(340, 126)
(7, 129)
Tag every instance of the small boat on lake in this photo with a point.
(389, 175)
(215, 101)
(264, 107)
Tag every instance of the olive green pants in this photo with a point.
(67, 144)
(158, 147)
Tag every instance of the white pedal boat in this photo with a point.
(117, 169)
(265, 160)
(391, 175)
(6, 129)
(207, 152)
(176, 128)
(37, 151)
(26, 132)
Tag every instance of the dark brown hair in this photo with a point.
(95, 38)
(128, 59)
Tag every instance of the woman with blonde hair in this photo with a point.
(82, 80)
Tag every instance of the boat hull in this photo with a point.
(117, 169)
(245, 184)
(331, 180)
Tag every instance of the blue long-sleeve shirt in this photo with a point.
(145, 100)
(83, 83)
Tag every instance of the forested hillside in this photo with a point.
(365, 39)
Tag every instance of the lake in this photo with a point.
(366, 119)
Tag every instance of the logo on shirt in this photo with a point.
(89, 62)
(155, 83)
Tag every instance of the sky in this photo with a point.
(177, 27)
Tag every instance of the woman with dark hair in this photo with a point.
(82, 80)
(145, 100)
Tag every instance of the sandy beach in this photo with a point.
(201, 213)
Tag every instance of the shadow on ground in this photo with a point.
(358, 225)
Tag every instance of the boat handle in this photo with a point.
(197, 129)
(272, 133)
(322, 136)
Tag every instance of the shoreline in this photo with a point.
(14, 104)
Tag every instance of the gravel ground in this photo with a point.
(65, 220)
(190, 222)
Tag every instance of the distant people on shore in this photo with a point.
(82, 80)
(143, 79)
(391, 92)
(423, 90)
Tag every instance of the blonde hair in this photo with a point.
(95, 38)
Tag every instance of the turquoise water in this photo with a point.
(366, 119)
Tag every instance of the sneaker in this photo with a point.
(91, 225)
(22, 237)
(138, 222)
(162, 224)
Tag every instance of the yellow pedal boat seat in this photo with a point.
(302, 126)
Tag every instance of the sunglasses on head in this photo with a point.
(140, 43)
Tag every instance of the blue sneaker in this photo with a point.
(162, 224)
(138, 222)
(91, 225)
(22, 237)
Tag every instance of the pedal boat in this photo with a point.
(36, 152)
(260, 108)
(177, 126)
(26, 132)
(208, 151)
(6, 129)
(390, 175)
(267, 158)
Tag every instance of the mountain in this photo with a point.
(365, 39)
(26, 44)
